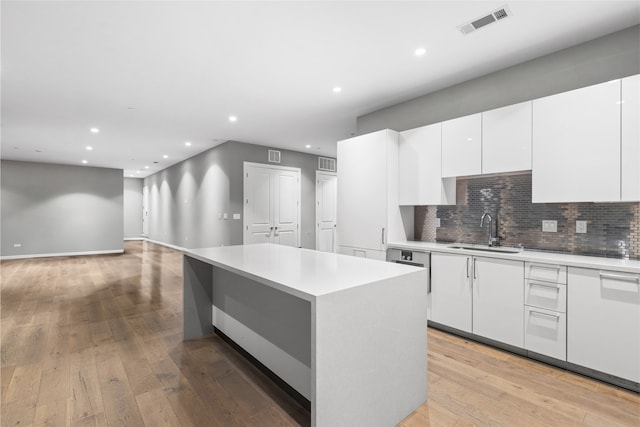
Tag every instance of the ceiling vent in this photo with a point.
(326, 164)
(274, 156)
(476, 24)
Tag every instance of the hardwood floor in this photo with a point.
(97, 341)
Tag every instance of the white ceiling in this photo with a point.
(152, 75)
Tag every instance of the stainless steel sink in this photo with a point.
(487, 249)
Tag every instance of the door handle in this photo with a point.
(383, 235)
(474, 269)
(622, 277)
(467, 267)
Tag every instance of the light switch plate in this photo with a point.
(549, 226)
(437, 222)
(236, 216)
(581, 226)
(225, 216)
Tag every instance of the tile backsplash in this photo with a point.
(613, 229)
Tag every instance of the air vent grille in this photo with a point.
(274, 156)
(326, 164)
(482, 21)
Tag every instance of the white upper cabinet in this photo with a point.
(631, 139)
(462, 146)
(576, 145)
(420, 179)
(506, 139)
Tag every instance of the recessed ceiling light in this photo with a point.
(146, 167)
(85, 162)
(165, 156)
(137, 171)
(233, 119)
(337, 89)
(188, 144)
(420, 51)
(308, 146)
(469, 139)
(89, 148)
(95, 130)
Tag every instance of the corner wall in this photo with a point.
(132, 204)
(185, 199)
(52, 209)
(606, 58)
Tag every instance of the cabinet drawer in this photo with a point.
(546, 272)
(545, 332)
(541, 294)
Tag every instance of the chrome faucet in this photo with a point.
(492, 240)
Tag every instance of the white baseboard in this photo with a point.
(117, 251)
(134, 238)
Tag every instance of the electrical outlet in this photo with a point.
(437, 222)
(549, 226)
(225, 216)
(581, 226)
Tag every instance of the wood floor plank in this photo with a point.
(156, 409)
(97, 341)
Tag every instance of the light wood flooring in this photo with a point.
(97, 341)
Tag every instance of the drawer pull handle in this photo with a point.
(546, 267)
(634, 279)
(555, 286)
(556, 316)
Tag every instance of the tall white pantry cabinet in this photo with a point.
(368, 212)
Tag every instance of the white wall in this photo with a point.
(60, 209)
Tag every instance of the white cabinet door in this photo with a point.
(451, 295)
(506, 139)
(420, 179)
(362, 194)
(603, 321)
(498, 300)
(631, 138)
(576, 145)
(462, 146)
(326, 200)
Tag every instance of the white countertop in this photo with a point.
(304, 273)
(622, 265)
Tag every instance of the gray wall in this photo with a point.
(53, 209)
(606, 58)
(132, 194)
(185, 199)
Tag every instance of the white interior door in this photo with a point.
(326, 198)
(286, 217)
(271, 204)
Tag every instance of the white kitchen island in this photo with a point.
(347, 333)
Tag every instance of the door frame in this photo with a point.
(244, 200)
(335, 239)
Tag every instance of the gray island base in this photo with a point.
(348, 334)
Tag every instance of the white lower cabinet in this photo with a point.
(545, 332)
(451, 295)
(498, 300)
(603, 324)
(479, 295)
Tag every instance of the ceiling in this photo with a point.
(153, 75)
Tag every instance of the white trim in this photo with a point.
(117, 251)
(134, 238)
